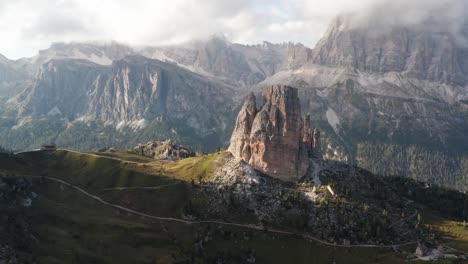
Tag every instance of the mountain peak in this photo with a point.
(98, 52)
(275, 139)
(3, 59)
(418, 50)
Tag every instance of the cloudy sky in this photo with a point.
(30, 25)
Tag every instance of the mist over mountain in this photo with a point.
(449, 15)
(397, 95)
(421, 51)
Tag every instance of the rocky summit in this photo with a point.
(275, 139)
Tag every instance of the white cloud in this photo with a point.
(384, 13)
(29, 25)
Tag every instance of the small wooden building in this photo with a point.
(49, 147)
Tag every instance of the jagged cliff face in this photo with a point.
(132, 89)
(408, 126)
(18, 75)
(242, 65)
(275, 139)
(240, 140)
(130, 97)
(398, 95)
(423, 51)
(13, 78)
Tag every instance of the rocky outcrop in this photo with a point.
(311, 139)
(164, 150)
(275, 140)
(240, 140)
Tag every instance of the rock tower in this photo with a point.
(275, 139)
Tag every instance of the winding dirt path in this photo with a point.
(248, 226)
(188, 222)
(141, 188)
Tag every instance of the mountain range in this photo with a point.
(394, 101)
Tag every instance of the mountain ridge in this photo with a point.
(361, 103)
(417, 51)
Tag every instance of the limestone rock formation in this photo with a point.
(371, 84)
(164, 150)
(240, 140)
(133, 99)
(427, 51)
(275, 140)
(242, 65)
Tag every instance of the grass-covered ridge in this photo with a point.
(75, 229)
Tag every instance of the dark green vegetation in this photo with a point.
(420, 164)
(75, 229)
(391, 135)
(3, 150)
(445, 201)
(69, 227)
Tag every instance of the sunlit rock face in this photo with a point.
(275, 139)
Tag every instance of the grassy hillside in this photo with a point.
(69, 227)
(74, 229)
